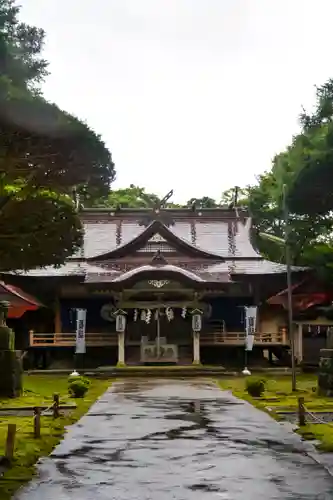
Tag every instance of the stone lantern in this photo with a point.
(10, 363)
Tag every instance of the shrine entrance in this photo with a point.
(159, 333)
(157, 348)
(159, 316)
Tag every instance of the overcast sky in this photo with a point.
(194, 95)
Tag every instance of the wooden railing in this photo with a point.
(68, 339)
(105, 339)
(238, 338)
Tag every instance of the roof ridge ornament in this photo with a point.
(155, 212)
(158, 259)
(164, 200)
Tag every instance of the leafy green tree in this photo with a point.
(308, 161)
(265, 204)
(20, 49)
(238, 196)
(131, 197)
(204, 202)
(44, 154)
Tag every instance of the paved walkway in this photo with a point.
(178, 440)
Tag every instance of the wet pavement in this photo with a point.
(178, 440)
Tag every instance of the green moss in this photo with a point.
(278, 396)
(278, 393)
(319, 432)
(40, 389)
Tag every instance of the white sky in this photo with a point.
(194, 95)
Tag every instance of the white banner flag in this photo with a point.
(250, 326)
(81, 331)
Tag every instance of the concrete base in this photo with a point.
(177, 371)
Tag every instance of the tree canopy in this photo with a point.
(308, 162)
(138, 197)
(131, 197)
(44, 154)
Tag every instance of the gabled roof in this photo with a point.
(156, 228)
(219, 232)
(17, 297)
(219, 237)
(305, 294)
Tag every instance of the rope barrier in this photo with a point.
(303, 411)
(316, 418)
(47, 409)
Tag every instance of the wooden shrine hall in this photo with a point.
(157, 268)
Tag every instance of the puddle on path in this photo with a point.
(181, 440)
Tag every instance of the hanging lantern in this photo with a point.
(135, 316)
(183, 313)
(120, 321)
(143, 315)
(196, 320)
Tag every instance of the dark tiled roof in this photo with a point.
(217, 272)
(100, 238)
(227, 238)
(217, 232)
(68, 269)
(250, 267)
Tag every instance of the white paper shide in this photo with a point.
(81, 315)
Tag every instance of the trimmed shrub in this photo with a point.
(255, 386)
(78, 386)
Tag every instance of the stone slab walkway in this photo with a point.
(182, 440)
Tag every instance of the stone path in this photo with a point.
(178, 440)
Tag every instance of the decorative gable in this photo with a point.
(156, 239)
(157, 244)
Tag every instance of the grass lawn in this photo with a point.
(39, 389)
(278, 396)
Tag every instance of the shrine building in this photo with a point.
(157, 267)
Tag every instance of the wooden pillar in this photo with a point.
(121, 349)
(120, 329)
(300, 343)
(57, 317)
(196, 348)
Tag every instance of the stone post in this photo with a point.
(10, 362)
(325, 373)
